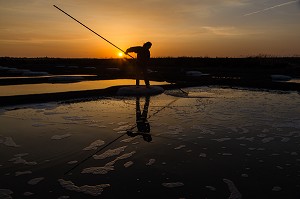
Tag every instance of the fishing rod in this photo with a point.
(92, 31)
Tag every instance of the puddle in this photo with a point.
(152, 147)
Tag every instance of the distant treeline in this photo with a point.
(218, 66)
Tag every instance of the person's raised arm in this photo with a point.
(134, 49)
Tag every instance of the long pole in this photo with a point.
(92, 31)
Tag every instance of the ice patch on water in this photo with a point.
(276, 188)
(179, 147)
(110, 153)
(176, 128)
(251, 139)
(28, 193)
(122, 132)
(128, 139)
(35, 181)
(97, 125)
(202, 129)
(73, 162)
(54, 113)
(172, 184)
(41, 124)
(203, 155)
(108, 167)
(227, 154)
(20, 160)
(266, 140)
(124, 156)
(63, 197)
(5, 194)
(222, 139)
(290, 124)
(90, 190)
(21, 154)
(8, 141)
(261, 135)
(98, 170)
(211, 188)
(122, 123)
(234, 192)
(285, 139)
(18, 173)
(94, 145)
(76, 118)
(59, 137)
(128, 164)
(150, 162)
(124, 127)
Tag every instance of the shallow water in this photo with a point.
(26, 89)
(210, 144)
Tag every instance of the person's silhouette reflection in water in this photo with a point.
(142, 123)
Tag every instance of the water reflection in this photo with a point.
(143, 126)
(26, 89)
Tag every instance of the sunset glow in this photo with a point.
(120, 54)
(217, 28)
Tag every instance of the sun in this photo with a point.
(120, 54)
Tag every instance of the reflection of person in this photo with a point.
(142, 123)
(143, 59)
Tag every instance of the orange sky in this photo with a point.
(233, 28)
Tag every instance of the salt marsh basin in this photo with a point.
(214, 143)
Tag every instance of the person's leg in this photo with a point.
(137, 77)
(146, 79)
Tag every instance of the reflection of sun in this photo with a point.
(120, 54)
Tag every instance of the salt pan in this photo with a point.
(151, 161)
(222, 139)
(28, 194)
(110, 153)
(234, 192)
(124, 156)
(276, 188)
(90, 190)
(180, 147)
(266, 140)
(211, 188)
(18, 173)
(5, 194)
(73, 162)
(128, 164)
(20, 160)
(8, 141)
(35, 181)
(98, 170)
(94, 145)
(59, 137)
(173, 184)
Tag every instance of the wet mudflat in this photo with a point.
(214, 143)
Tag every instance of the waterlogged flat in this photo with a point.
(210, 143)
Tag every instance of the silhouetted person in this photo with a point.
(142, 123)
(143, 59)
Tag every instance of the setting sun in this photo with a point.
(120, 54)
